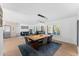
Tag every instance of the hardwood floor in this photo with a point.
(66, 49)
(11, 48)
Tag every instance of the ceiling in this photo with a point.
(52, 11)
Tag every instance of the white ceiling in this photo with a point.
(52, 11)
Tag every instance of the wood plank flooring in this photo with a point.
(11, 49)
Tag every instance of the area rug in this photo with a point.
(44, 50)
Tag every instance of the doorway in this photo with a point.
(6, 31)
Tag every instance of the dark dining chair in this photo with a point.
(45, 40)
(32, 43)
(49, 39)
(27, 41)
(40, 42)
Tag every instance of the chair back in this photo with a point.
(49, 39)
(45, 40)
(26, 40)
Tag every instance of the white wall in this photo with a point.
(68, 30)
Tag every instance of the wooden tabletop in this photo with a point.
(37, 37)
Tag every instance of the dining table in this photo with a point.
(37, 37)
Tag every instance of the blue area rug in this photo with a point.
(44, 50)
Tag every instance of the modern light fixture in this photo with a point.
(42, 20)
(42, 16)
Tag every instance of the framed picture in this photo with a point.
(24, 27)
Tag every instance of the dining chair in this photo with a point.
(40, 42)
(27, 41)
(49, 39)
(45, 40)
(31, 43)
